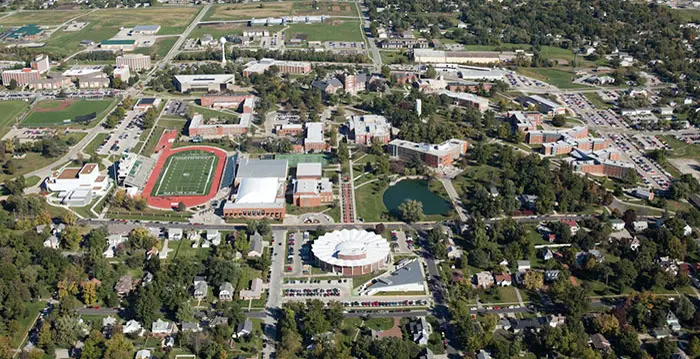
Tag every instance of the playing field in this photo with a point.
(293, 159)
(331, 30)
(187, 173)
(9, 111)
(66, 112)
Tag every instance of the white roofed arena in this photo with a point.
(351, 252)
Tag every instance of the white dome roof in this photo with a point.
(350, 242)
(257, 190)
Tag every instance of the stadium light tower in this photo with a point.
(222, 40)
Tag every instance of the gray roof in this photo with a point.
(256, 243)
(190, 326)
(411, 273)
(252, 168)
(246, 326)
(227, 286)
(309, 169)
(146, 28)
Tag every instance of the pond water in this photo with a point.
(417, 190)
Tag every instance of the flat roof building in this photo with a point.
(285, 67)
(218, 82)
(461, 57)
(145, 29)
(136, 62)
(260, 190)
(22, 77)
(436, 156)
(75, 185)
(199, 127)
(467, 100)
(367, 129)
(115, 45)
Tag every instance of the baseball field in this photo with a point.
(51, 113)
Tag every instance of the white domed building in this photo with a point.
(351, 252)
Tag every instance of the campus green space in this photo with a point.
(53, 112)
(9, 111)
(149, 146)
(159, 49)
(293, 159)
(562, 79)
(247, 11)
(187, 173)
(331, 30)
(105, 23)
(31, 310)
(333, 8)
(681, 149)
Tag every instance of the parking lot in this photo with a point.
(125, 136)
(518, 81)
(593, 117)
(649, 172)
(296, 252)
(175, 108)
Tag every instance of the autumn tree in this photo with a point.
(533, 280)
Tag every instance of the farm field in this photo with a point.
(103, 24)
(186, 173)
(331, 30)
(324, 8)
(9, 110)
(247, 11)
(54, 112)
(53, 17)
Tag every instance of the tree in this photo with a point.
(89, 293)
(558, 121)
(93, 348)
(10, 167)
(45, 337)
(607, 324)
(665, 348)
(694, 346)
(185, 313)
(141, 239)
(533, 280)
(147, 306)
(411, 211)
(118, 347)
(685, 310)
(66, 330)
(625, 273)
(70, 238)
(68, 218)
(430, 72)
(16, 186)
(12, 85)
(181, 207)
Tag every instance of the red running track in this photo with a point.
(164, 147)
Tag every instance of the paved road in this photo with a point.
(273, 297)
(454, 196)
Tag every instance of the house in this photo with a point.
(598, 342)
(61, 353)
(52, 242)
(503, 279)
(109, 321)
(164, 328)
(419, 329)
(640, 225)
(167, 342)
(672, 322)
(191, 327)
(547, 254)
(503, 324)
(482, 354)
(213, 236)
(124, 285)
(660, 333)
(143, 354)
(256, 245)
(133, 327)
(147, 278)
(255, 291)
(218, 320)
(523, 266)
(113, 241)
(201, 288)
(573, 226)
(527, 324)
(679, 354)
(551, 275)
(617, 224)
(226, 292)
(484, 279)
(174, 234)
(556, 320)
(245, 328)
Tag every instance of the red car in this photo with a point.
(289, 268)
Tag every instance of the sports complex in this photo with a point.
(191, 175)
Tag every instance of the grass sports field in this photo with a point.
(9, 110)
(331, 30)
(293, 159)
(56, 112)
(187, 173)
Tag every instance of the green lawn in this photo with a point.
(559, 78)
(159, 49)
(335, 30)
(32, 310)
(149, 146)
(30, 162)
(247, 11)
(49, 113)
(295, 158)
(9, 112)
(187, 173)
(96, 142)
(498, 295)
(596, 100)
(687, 15)
(369, 203)
(380, 323)
(393, 57)
(324, 8)
(681, 149)
(41, 17)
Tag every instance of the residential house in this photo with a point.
(52, 242)
(523, 266)
(556, 320)
(244, 329)
(255, 291)
(226, 292)
(213, 236)
(174, 234)
(679, 354)
(143, 354)
(163, 328)
(503, 279)
(483, 354)
(201, 288)
(599, 342)
(484, 279)
(617, 224)
(218, 320)
(527, 324)
(124, 285)
(672, 322)
(573, 226)
(419, 329)
(191, 327)
(256, 245)
(640, 225)
(109, 321)
(547, 254)
(133, 327)
(551, 275)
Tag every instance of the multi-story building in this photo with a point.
(603, 162)
(436, 156)
(404, 43)
(41, 63)
(22, 77)
(312, 192)
(469, 86)
(93, 81)
(285, 67)
(546, 106)
(217, 82)
(260, 190)
(367, 129)
(78, 186)
(50, 83)
(122, 72)
(462, 57)
(136, 62)
(314, 140)
(116, 45)
(243, 102)
(525, 121)
(290, 129)
(199, 127)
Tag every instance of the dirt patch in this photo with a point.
(336, 8)
(61, 106)
(685, 165)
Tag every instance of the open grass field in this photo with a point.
(186, 173)
(681, 149)
(247, 11)
(9, 111)
(32, 309)
(159, 49)
(53, 17)
(333, 8)
(559, 78)
(103, 24)
(371, 207)
(55, 112)
(295, 158)
(331, 30)
(687, 15)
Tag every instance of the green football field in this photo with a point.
(65, 112)
(188, 173)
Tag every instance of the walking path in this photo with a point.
(454, 196)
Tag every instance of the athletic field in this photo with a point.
(187, 173)
(293, 159)
(66, 112)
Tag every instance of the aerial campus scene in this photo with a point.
(380, 179)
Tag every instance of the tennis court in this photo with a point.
(187, 173)
(295, 158)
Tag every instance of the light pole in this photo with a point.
(222, 40)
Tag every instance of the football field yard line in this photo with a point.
(173, 181)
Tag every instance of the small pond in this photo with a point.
(419, 191)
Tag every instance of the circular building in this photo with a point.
(351, 252)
